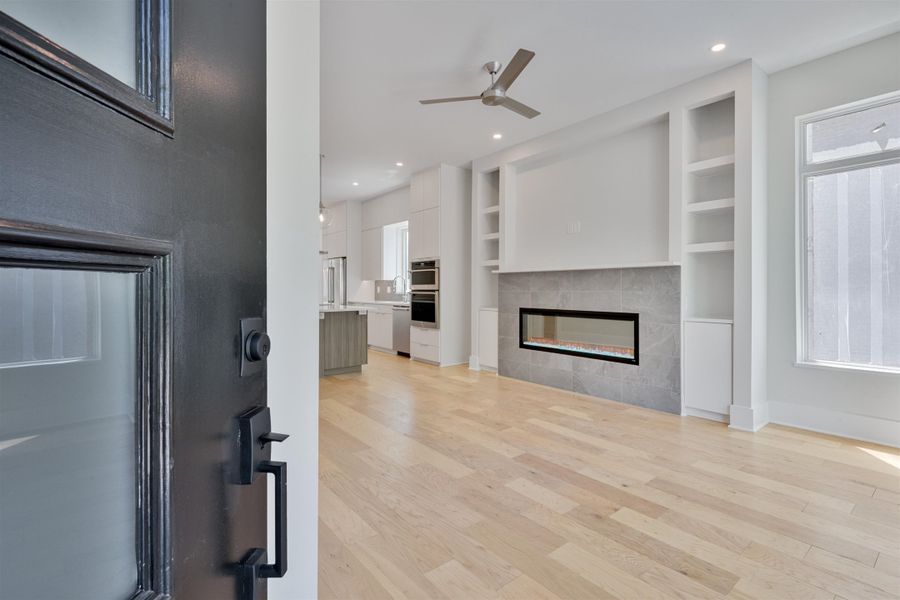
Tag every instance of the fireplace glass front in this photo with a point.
(602, 335)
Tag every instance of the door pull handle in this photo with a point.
(255, 452)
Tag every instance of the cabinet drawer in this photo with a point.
(425, 352)
(425, 337)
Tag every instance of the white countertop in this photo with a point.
(380, 302)
(329, 308)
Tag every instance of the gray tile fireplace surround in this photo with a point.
(651, 292)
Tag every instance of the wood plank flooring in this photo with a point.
(451, 484)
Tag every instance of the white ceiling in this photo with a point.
(379, 58)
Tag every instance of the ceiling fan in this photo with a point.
(495, 95)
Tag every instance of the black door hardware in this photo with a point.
(256, 436)
(255, 345)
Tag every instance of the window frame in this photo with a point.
(802, 172)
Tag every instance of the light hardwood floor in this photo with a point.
(446, 483)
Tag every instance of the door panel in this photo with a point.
(71, 161)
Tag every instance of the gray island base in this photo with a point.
(343, 340)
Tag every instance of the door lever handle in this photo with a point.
(254, 567)
(273, 437)
(254, 436)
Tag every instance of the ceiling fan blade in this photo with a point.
(514, 68)
(518, 107)
(457, 99)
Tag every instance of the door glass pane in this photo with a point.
(101, 32)
(68, 392)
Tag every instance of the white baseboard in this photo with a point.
(749, 419)
(473, 363)
(704, 414)
(823, 420)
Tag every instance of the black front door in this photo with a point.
(132, 243)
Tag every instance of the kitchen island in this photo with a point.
(343, 339)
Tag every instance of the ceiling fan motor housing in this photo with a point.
(493, 96)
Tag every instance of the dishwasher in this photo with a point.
(401, 329)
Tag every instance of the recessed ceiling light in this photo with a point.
(497, 136)
(399, 164)
(355, 183)
(718, 47)
(879, 127)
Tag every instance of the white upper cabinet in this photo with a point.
(424, 234)
(415, 193)
(430, 226)
(371, 254)
(425, 190)
(335, 244)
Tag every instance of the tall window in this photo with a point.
(848, 188)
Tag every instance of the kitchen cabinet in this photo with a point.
(342, 342)
(335, 244)
(425, 234)
(425, 190)
(440, 227)
(381, 328)
(371, 254)
(425, 344)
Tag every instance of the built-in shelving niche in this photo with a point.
(488, 237)
(709, 200)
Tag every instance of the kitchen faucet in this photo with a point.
(405, 285)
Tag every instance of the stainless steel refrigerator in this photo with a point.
(334, 281)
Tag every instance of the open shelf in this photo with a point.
(491, 236)
(711, 166)
(706, 247)
(708, 320)
(711, 206)
(490, 210)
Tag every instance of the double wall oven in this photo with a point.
(425, 293)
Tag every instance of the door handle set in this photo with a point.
(255, 439)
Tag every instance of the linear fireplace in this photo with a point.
(602, 335)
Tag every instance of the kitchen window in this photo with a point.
(848, 236)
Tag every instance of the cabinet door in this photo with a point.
(415, 236)
(430, 189)
(415, 193)
(336, 244)
(371, 257)
(487, 338)
(431, 233)
(707, 366)
(381, 329)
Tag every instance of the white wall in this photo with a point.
(856, 404)
(388, 208)
(292, 88)
(616, 190)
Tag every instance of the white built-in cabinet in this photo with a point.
(707, 367)
(708, 194)
(487, 337)
(371, 254)
(425, 234)
(439, 227)
(381, 328)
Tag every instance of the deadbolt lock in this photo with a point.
(255, 345)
